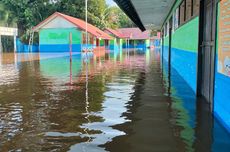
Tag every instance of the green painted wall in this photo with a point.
(59, 68)
(59, 36)
(186, 37)
(124, 42)
(147, 43)
(121, 41)
(174, 7)
(113, 41)
(102, 42)
(166, 41)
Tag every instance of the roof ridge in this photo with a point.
(78, 23)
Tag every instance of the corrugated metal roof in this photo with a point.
(147, 13)
(135, 33)
(131, 33)
(79, 24)
(114, 32)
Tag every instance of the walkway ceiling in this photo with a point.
(146, 13)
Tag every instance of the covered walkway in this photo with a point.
(171, 99)
(117, 102)
(195, 42)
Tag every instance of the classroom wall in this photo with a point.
(102, 42)
(137, 44)
(57, 40)
(113, 44)
(222, 73)
(166, 49)
(184, 51)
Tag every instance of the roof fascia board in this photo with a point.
(173, 8)
(129, 9)
(45, 22)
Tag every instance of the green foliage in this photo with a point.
(6, 18)
(7, 43)
(28, 13)
(119, 19)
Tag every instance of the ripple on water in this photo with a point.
(116, 97)
(11, 121)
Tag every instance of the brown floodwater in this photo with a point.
(114, 101)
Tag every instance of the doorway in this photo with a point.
(97, 42)
(169, 56)
(206, 53)
(7, 44)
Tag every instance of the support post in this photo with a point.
(86, 24)
(128, 47)
(15, 44)
(1, 44)
(70, 46)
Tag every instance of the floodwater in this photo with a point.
(118, 102)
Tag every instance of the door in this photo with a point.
(97, 42)
(106, 43)
(169, 59)
(170, 43)
(206, 65)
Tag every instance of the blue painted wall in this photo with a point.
(24, 48)
(166, 53)
(59, 48)
(222, 99)
(185, 62)
(184, 51)
(57, 40)
(222, 78)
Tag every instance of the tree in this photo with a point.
(118, 19)
(28, 13)
(76, 8)
(6, 18)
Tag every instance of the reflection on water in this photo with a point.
(114, 101)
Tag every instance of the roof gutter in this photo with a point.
(127, 7)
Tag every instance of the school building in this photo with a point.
(195, 42)
(59, 31)
(131, 38)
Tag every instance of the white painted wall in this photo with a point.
(7, 31)
(59, 22)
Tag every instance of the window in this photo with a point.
(196, 7)
(162, 33)
(188, 9)
(83, 38)
(167, 28)
(90, 38)
(182, 12)
(176, 19)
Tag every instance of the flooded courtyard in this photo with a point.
(112, 101)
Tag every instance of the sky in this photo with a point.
(110, 2)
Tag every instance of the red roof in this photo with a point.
(130, 33)
(114, 32)
(78, 22)
(135, 33)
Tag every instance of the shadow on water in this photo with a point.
(115, 101)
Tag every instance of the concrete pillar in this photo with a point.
(1, 44)
(15, 44)
(95, 41)
(128, 47)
